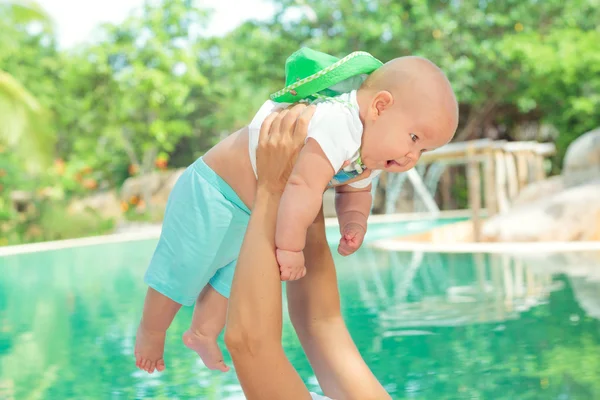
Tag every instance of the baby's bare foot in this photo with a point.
(207, 349)
(292, 275)
(149, 349)
(291, 264)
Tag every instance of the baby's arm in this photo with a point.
(300, 204)
(353, 206)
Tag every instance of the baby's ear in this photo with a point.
(382, 101)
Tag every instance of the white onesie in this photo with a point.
(336, 126)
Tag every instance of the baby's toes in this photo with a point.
(295, 276)
(285, 274)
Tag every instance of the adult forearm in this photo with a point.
(255, 304)
(315, 297)
(253, 333)
(314, 308)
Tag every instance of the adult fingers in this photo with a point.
(302, 123)
(275, 130)
(265, 127)
(289, 121)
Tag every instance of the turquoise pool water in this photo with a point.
(431, 326)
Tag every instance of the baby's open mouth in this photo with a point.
(392, 163)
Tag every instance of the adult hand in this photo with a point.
(281, 137)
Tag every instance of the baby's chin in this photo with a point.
(371, 165)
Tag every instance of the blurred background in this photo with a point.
(102, 103)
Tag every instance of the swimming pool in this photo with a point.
(431, 326)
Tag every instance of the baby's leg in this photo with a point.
(291, 264)
(159, 311)
(207, 323)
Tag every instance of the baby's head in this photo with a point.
(407, 107)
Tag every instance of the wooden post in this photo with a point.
(522, 169)
(540, 173)
(511, 172)
(489, 182)
(448, 202)
(474, 188)
(500, 167)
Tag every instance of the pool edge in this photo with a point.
(153, 232)
(486, 247)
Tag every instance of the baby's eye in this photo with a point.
(414, 137)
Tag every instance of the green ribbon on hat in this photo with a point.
(309, 73)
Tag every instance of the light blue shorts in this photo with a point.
(203, 228)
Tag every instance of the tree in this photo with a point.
(25, 121)
(489, 49)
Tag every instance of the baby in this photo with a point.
(402, 109)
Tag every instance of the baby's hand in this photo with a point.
(352, 238)
(291, 264)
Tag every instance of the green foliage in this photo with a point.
(562, 69)
(56, 223)
(25, 122)
(155, 85)
(479, 44)
(133, 89)
(46, 219)
(24, 12)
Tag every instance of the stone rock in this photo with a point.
(21, 201)
(570, 215)
(21, 196)
(160, 197)
(539, 190)
(134, 186)
(553, 185)
(583, 154)
(106, 204)
(158, 184)
(581, 165)
(563, 207)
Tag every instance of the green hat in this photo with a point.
(308, 72)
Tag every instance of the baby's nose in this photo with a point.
(413, 156)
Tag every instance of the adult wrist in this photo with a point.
(267, 195)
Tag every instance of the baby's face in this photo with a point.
(394, 140)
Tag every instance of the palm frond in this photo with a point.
(24, 123)
(24, 12)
